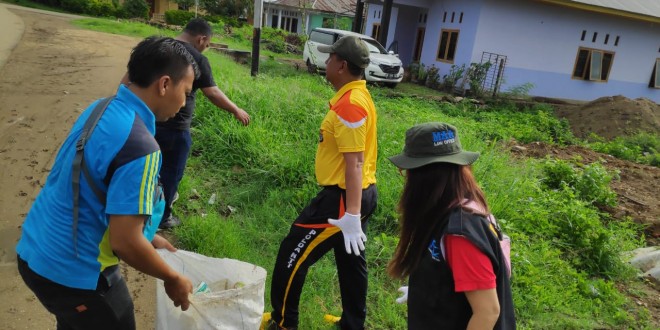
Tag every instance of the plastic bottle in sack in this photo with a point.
(202, 288)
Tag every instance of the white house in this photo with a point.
(301, 16)
(580, 50)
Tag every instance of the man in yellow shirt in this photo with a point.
(346, 169)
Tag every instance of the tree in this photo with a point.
(185, 4)
(229, 8)
(136, 9)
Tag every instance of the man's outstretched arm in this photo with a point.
(220, 100)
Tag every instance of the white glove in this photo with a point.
(351, 227)
(403, 299)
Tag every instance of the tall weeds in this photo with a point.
(565, 252)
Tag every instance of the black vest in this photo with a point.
(432, 301)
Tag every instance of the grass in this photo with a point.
(264, 173)
(565, 252)
(122, 27)
(238, 41)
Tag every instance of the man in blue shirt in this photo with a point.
(73, 269)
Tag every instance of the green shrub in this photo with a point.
(544, 126)
(432, 77)
(476, 74)
(559, 173)
(518, 91)
(277, 46)
(214, 19)
(51, 3)
(75, 6)
(120, 12)
(590, 183)
(587, 240)
(136, 9)
(642, 148)
(422, 74)
(178, 17)
(450, 79)
(593, 185)
(233, 22)
(100, 8)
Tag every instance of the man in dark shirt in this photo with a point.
(173, 136)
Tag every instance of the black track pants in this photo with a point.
(109, 307)
(309, 239)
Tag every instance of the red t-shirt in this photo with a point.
(471, 268)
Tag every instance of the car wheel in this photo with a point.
(391, 85)
(311, 68)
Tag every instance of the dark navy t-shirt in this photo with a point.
(183, 119)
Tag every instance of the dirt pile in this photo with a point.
(612, 116)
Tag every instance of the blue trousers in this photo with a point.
(175, 147)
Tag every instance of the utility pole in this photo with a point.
(357, 20)
(256, 35)
(385, 22)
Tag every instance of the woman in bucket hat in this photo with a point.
(449, 245)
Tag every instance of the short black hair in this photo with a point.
(198, 26)
(155, 56)
(352, 68)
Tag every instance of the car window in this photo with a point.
(374, 46)
(321, 37)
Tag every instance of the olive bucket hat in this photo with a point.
(432, 143)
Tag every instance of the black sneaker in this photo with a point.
(171, 222)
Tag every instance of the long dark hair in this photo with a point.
(429, 195)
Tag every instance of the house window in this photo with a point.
(447, 47)
(584, 33)
(422, 18)
(291, 25)
(375, 31)
(607, 38)
(273, 22)
(593, 64)
(655, 76)
(328, 22)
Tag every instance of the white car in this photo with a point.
(385, 67)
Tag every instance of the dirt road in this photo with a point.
(51, 75)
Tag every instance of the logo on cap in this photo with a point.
(443, 137)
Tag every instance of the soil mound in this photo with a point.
(612, 116)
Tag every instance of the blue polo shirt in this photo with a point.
(124, 160)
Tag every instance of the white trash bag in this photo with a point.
(233, 299)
